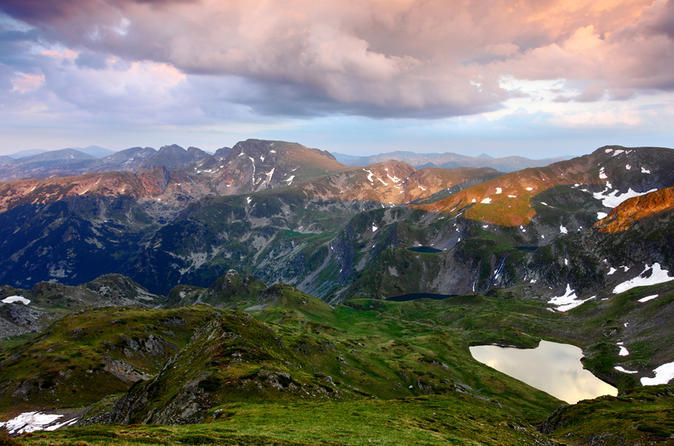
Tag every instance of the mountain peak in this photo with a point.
(172, 148)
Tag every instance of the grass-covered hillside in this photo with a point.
(293, 370)
(90, 354)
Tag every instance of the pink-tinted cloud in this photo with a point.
(26, 82)
(377, 57)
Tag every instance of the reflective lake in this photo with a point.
(551, 367)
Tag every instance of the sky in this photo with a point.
(536, 78)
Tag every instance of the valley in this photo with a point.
(268, 293)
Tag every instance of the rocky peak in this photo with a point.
(255, 165)
(223, 153)
(173, 157)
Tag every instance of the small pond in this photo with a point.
(415, 296)
(425, 249)
(526, 248)
(551, 367)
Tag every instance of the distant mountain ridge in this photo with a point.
(95, 151)
(68, 162)
(448, 159)
(77, 161)
(251, 166)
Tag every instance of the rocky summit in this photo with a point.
(269, 293)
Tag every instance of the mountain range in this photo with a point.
(92, 159)
(190, 288)
(447, 160)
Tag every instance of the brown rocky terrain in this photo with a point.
(628, 212)
(150, 183)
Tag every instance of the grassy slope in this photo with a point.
(426, 340)
(455, 419)
(66, 365)
(476, 406)
(644, 416)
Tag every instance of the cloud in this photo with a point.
(26, 82)
(377, 58)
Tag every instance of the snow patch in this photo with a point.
(393, 178)
(601, 215)
(374, 227)
(658, 275)
(421, 187)
(617, 152)
(568, 301)
(499, 190)
(369, 175)
(623, 351)
(662, 375)
(529, 188)
(290, 179)
(611, 199)
(620, 369)
(544, 203)
(602, 174)
(563, 229)
(611, 271)
(644, 170)
(252, 179)
(512, 196)
(248, 200)
(627, 167)
(647, 298)
(14, 299)
(486, 200)
(34, 421)
(270, 174)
